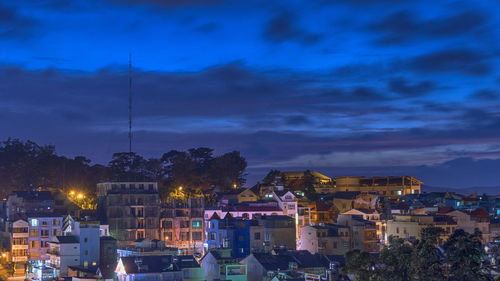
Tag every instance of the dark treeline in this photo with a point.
(27, 165)
(460, 258)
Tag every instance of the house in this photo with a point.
(368, 214)
(392, 187)
(219, 264)
(230, 233)
(159, 268)
(328, 239)
(322, 212)
(344, 200)
(265, 266)
(31, 201)
(269, 232)
(363, 233)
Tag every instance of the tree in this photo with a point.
(309, 183)
(228, 170)
(127, 166)
(397, 258)
(426, 259)
(271, 177)
(360, 264)
(465, 256)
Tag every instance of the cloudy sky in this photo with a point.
(345, 87)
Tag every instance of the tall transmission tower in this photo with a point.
(130, 104)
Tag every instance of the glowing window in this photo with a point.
(34, 222)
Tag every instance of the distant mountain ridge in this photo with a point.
(490, 190)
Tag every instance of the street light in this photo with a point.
(180, 188)
(80, 196)
(72, 192)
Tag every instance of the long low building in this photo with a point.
(392, 187)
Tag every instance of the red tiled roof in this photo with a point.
(480, 213)
(445, 209)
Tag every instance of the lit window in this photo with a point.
(400, 192)
(34, 222)
(196, 224)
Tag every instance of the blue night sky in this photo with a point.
(344, 87)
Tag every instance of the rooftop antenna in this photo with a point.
(130, 104)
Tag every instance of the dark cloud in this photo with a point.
(403, 87)
(297, 120)
(464, 61)
(284, 27)
(14, 25)
(403, 26)
(485, 95)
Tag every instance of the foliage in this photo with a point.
(464, 259)
(271, 177)
(427, 263)
(466, 256)
(360, 264)
(27, 165)
(397, 258)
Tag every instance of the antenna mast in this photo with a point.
(130, 104)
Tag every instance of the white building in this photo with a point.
(64, 251)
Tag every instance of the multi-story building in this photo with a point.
(270, 232)
(229, 233)
(328, 239)
(410, 226)
(32, 201)
(392, 187)
(363, 233)
(43, 228)
(132, 209)
(320, 182)
(64, 252)
(182, 225)
(19, 250)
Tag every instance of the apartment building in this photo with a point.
(43, 228)
(132, 210)
(182, 225)
(19, 232)
(410, 226)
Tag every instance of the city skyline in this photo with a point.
(342, 87)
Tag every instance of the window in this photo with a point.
(166, 224)
(34, 222)
(397, 230)
(34, 244)
(33, 232)
(184, 224)
(335, 244)
(44, 233)
(242, 250)
(400, 192)
(44, 244)
(256, 235)
(291, 207)
(55, 222)
(55, 232)
(212, 236)
(266, 237)
(86, 252)
(141, 186)
(85, 240)
(45, 223)
(196, 224)
(345, 244)
(197, 236)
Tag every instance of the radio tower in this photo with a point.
(130, 104)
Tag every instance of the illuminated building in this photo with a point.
(392, 187)
(182, 225)
(132, 210)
